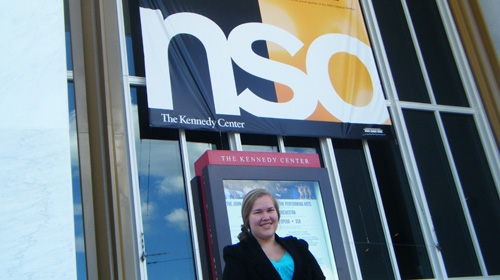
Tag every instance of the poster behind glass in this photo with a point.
(302, 214)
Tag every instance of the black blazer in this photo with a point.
(247, 260)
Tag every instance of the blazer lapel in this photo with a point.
(296, 255)
(259, 260)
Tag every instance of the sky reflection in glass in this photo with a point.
(163, 205)
(77, 196)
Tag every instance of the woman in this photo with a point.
(261, 254)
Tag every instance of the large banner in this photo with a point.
(283, 67)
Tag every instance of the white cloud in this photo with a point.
(77, 209)
(178, 219)
(73, 139)
(147, 209)
(171, 185)
(157, 158)
(79, 244)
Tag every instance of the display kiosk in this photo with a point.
(298, 182)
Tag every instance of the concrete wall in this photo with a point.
(36, 205)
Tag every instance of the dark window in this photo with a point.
(439, 60)
(400, 51)
(369, 239)
(406, 235)
(478, 185)
(133, 35)
(441, 193)
(217, 140)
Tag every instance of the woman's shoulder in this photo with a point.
(235, 249)
(232, 248)
(294, 241)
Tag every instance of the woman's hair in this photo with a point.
(247, 206)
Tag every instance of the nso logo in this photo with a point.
(308, 89)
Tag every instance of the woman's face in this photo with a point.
(263, 218)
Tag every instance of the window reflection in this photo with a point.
(303, 145)
(259, 148)
(164, 211)
(195, 150)
(198, 142)
(301, 150)
(259, 143)
(166, 228)
(77, 194)
(69, 61)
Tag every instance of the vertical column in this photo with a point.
(110, 238)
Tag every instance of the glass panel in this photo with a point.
(198, 142)
(81, 263)
(478, 185)
(133, 36)
(259, 143)
(441, 193)
(400, 51)
(164, 211)
(195, 150)
(81, 267)
(305, 145)
(367, 230)
(439, 61)
(167, 235)
(69, 60)
(407, 239)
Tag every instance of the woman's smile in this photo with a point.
(266, 225)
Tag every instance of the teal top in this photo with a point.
(285, 266)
